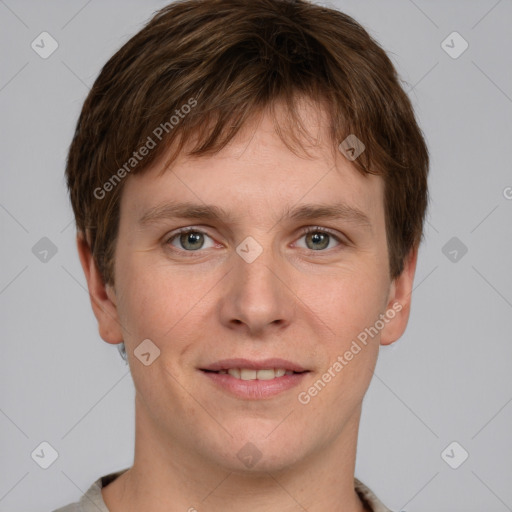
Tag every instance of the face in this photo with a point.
(267, 278)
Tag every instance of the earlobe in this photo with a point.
(102, 296)
(399, 301)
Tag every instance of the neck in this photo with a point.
(168, 476)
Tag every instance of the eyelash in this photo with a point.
(306, 231)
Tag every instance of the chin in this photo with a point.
(262, 448)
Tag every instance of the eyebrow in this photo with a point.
(187, 210)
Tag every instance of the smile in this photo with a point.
(250, 374)
(254, 380)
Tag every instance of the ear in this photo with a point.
(399, 301)
(103, 298)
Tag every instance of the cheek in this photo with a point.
(149, 302)
(349, 302)
(350, 307)
(163, 304)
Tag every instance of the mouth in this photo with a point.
(251, 374)
(254, 380)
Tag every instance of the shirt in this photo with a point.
(92, 500)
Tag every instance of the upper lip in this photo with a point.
(226, 364)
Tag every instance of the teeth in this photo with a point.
(248, 374)
(264, 374)
(234, 372)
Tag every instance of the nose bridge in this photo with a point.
(257, 295)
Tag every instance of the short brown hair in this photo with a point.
(229, 59)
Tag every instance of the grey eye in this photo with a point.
(191, 240)
(318, 240)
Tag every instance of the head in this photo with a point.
(243, 106)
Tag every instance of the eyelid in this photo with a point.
(304, 231)
(334, 234)
(176, 233)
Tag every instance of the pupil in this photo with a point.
(191, 238)
(319, 237)
(194, 238)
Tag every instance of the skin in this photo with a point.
(293, 302)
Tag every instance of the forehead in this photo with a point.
(257, 174)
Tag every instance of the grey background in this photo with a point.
(448, 379)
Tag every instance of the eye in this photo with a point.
(190, 239)
(318, 239)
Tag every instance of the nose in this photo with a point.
(258, 298)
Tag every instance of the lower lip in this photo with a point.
(255, 389)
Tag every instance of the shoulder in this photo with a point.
(72, 507)
(92, 500)
(369, 498)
